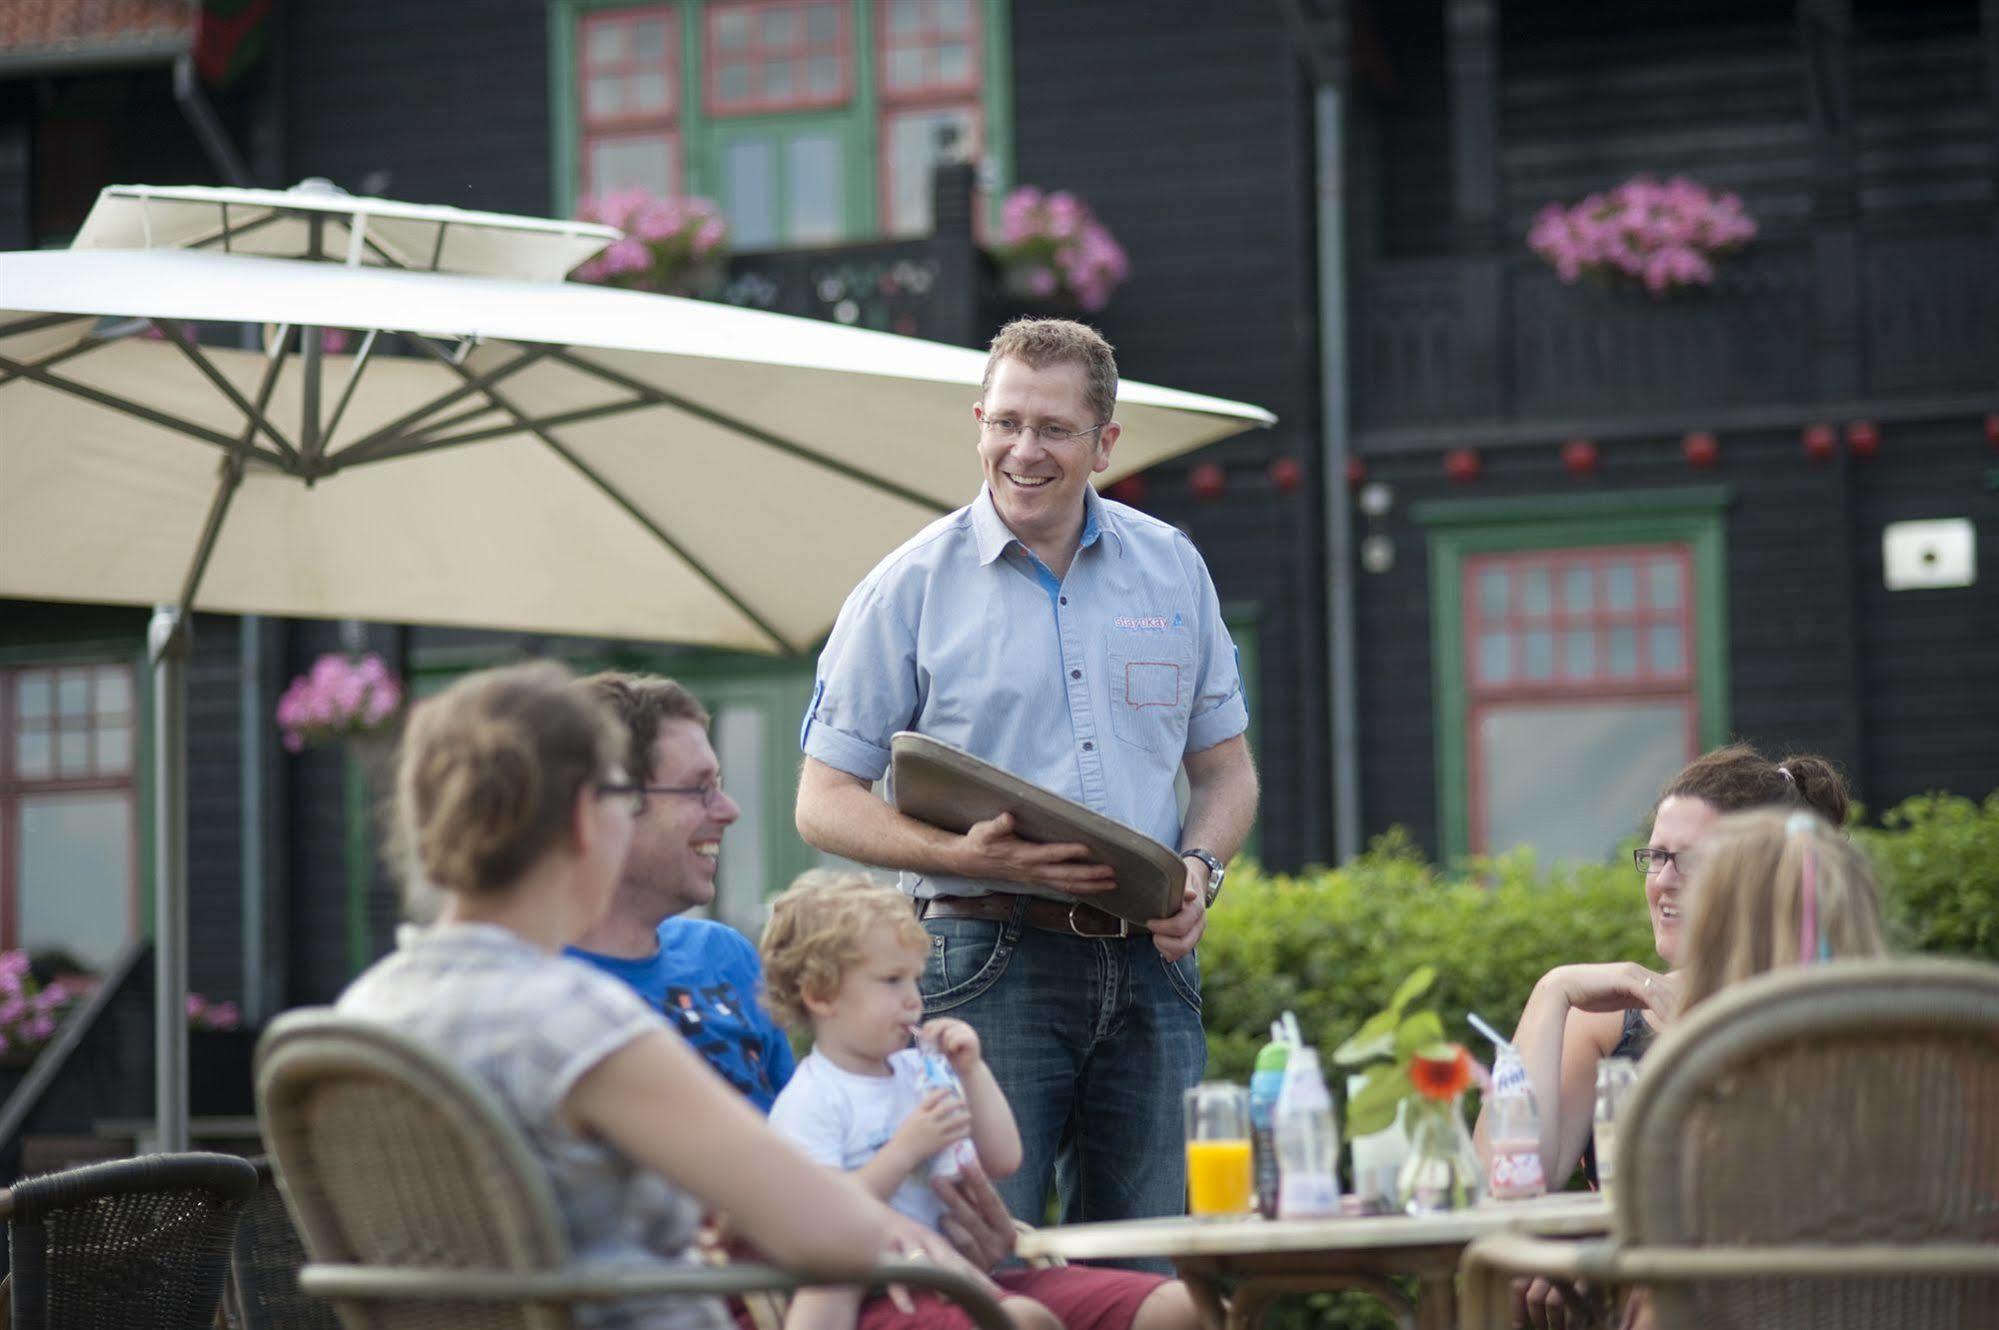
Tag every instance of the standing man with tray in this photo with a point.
(1078, 644)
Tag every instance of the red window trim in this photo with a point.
(13, 789)
(1559, 621)
(756, 53)
(928, 37)
(625, 18)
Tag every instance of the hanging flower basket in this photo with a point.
(1052, 250)
(674, 247)
(1666, 237)
(339, 698)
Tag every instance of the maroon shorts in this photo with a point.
(1083, 1297)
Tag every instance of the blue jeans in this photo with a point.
(1094, 1040)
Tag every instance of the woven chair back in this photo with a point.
(1843, 1103)
(392, 1157)
(263, 1269)
(128, 1243)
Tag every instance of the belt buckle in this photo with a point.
(1123, 925)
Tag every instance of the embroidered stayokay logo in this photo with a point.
(1149, 623)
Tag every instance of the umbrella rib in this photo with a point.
(13, 368)
(364, 448)
(580, 414)
(229, 233)
(37, 322)
(617, 496)
(791, 448)
(232, 480)
(254, 415)
(361, 361)
(70, 352)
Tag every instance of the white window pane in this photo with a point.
(912, 151)
(953, 16)
(780, 27)
(114, 690)
(1579, 654)
(822, 25)
(34, 755)
(824, 77)
(1669, 654)
(649, 93)
(749, 193)
(36, 696)
(1537, 650)
(606, 43)
(76, 874)
(1535, 593)
(1666, 585)
(1572, 781)
(1620, 587)
(778, 81)
(1492, 591)
(1578, 590)
(1495, 657)
(1623, 652)
(73, 693)
(742, 875)
(649, 36)
(732, 29)
(633, 163)
(114, 751)
(905, 16)
(813, 167)
(604, 95)
(733, 83)
(905, 68)
(73, 753)
(954, 63)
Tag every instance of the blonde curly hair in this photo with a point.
(818, 931)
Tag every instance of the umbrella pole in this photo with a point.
(167, 641)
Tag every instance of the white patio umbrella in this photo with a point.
(552, 457)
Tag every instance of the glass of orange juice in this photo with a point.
(1218, 1166)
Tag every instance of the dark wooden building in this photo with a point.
(1326, 205)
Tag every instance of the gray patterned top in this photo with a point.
(529, 1025)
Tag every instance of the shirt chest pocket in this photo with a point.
(1151, 689)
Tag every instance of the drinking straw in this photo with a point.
(1291, 1030)
(1499, 1040)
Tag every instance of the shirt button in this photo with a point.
(1075, 674)
(1088, 746)
(1065, 600)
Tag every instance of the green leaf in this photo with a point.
(1373, 1106)
(1412, 987)
(1438, 1052)
(1422, 1028)
(1374, 1039)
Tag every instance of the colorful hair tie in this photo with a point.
(1811, 945)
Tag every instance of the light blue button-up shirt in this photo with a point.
(1094, 685)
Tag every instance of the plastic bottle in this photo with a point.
(1377, 1160)
(938, 1075)
(1614, 1078)
(1264, 1086)
(1308, 1142)
(1514, 1131)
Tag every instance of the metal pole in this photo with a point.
(1333, 407)
(167, 642)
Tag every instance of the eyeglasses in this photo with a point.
(709, 793)
(614, 789)
(1008, 428)
(1650, 861)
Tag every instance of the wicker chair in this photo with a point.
(132, 1242)
(264, 1266)
(422, 1208)
(1812, 1148)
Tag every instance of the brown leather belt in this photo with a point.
(1078, 919)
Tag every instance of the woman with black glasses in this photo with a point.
(1580, 1014)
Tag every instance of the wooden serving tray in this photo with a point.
(949, 788)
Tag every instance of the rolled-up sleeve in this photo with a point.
(866, 688)
(1220, 711)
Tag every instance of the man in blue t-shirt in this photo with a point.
(703, 975)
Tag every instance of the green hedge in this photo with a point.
(1332, 944)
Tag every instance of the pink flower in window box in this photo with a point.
(338, 698)
(1663, 236)
(1051, 247)
(672, 246)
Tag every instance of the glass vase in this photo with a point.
(1442, 1172)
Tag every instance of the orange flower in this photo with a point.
(1442, 1079)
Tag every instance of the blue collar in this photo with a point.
(993, 536)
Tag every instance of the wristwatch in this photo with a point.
(1215, 871)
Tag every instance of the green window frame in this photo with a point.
(1459, 529)
(703, 136)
